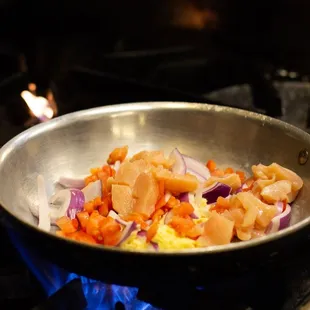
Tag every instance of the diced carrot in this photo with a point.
(160, 203)
(157, 214)
(138, 218)
(109, 226)
(97, 202)
(194, 232)
(94, 171)
(105, 206)
(229, 170)
(81, 236)
(223, 202)
(93, 224)
(241, 175)
(218, 173)
(66, 225)
(89, 207)
(112, 239)
(173, 202)
(151, 232)
(217, 208)
(185, 208)
(75, 223)
(117, 154)
(284, 205)
(211, 165)
(161, 186)
(91, 178)
(83, 218)
(181, 225)
(108, 170)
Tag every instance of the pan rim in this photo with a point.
(157, 105)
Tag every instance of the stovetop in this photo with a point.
(188, 78)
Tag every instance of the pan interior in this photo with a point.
(72, 144)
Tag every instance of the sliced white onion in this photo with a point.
(72, 182)
(179, 166)
(92, 190)
(200, 178)
(44, 216)
(197, 167)
(117, 218)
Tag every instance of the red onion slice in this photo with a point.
(71, 182)
(92, 190)
(153, 246)
(128, 229)
(66, 202)
(196, 166)
(44, 216)
(280, 221)
(216, 190)
(142, 233)
(179, 166)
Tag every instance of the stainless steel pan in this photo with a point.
(71, 144)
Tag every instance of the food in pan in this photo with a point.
(154, 202)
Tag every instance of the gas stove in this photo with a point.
(176, 74)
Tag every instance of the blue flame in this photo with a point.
(97, 294)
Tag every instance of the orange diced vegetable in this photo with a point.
(94, 222)
(109, 226)
(211, 165)
(112, 239)
(160, 203)
(173, 202)
(181, 225)
(118, 154)
(151, 232)
(83, 218)
(66, 225)
(136, 217)
(223, 202)
(194, 232)
(218, 173)
(185, 208)
(229, 170)
(106, 206)
(161, 187)
(241, 175)
(81, 236)
(157, 214)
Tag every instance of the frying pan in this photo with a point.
(71, 144)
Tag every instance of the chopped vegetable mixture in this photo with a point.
(154, 202)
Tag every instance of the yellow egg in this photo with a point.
(167, 239)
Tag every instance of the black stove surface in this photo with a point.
(25, 285)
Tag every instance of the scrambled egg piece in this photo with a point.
(167, 239)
